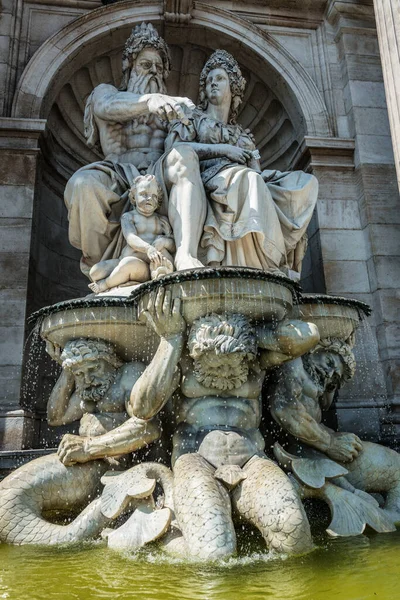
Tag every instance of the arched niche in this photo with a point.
(281, 106)
(101, 33)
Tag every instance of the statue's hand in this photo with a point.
(236, 154)
(164, 315)
(73, 449)
(251, 136)
(54, 351)
(155, 256)
(169, 108)
(344, 447)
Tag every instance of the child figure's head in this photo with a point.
(146, 194)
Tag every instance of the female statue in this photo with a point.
(255, 219)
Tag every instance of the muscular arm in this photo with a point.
(149, 393)
(161, 378)
(288, 341)
(290, 412)
(159, 381)
(109, 104)
(63, 406)
(129, 437)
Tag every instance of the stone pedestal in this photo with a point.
(18, 156)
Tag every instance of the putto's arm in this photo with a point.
(130, 234)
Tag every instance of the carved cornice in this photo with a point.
(317, 152)
(20, 134)
(351, 17)
(178, 11)
(175, 11)
(86, 4)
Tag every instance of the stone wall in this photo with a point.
(316, 101)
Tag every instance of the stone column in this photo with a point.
(18, 158)
(370, 265)
(387, 14)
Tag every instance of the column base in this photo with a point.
(17, 428)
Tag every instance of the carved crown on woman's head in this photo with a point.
(221, 59)
(143, 36)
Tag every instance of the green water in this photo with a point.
(354, 569)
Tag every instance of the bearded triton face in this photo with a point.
(328, 369)
(226, 371)
(93, 378)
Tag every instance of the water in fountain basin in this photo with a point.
(358, 569)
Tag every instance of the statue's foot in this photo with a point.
(98, 286)
(186, 261)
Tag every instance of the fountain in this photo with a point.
(173, 356)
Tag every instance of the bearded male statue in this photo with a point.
(128, 125)
(300, 390)
(94, 388)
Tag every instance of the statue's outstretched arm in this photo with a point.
(161, 378)
(128, 437)
(109, 104)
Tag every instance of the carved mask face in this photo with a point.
(146, 197)
(93, 378)
(218, 89)
(147, 73)
(221, 371)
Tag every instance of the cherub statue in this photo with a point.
(149, 241)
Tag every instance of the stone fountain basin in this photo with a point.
(333, 315)
(259, 296)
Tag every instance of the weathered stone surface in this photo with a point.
(388, 28)
(350, 277)
(344, 245)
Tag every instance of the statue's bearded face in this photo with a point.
(147, 76)
(327, 370)
(93, 378)
(221, 371)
